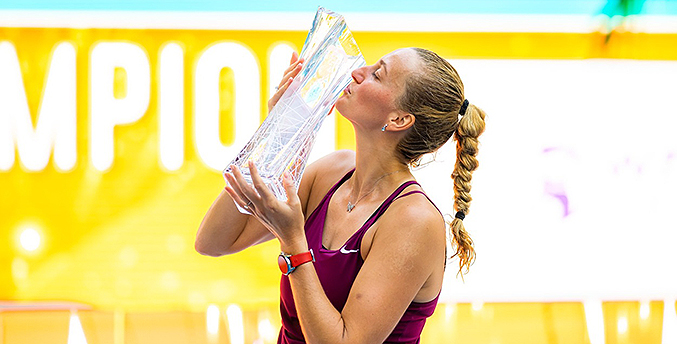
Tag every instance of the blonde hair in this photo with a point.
(434, 96)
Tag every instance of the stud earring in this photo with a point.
(384, 127)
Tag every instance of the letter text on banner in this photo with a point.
(246, 73)
(106, 110)
(170, 111)
(55, 124)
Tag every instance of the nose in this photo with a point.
(358, 74)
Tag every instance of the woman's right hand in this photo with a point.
(290, 73)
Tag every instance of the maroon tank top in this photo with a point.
(337, 270)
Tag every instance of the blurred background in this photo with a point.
(116, 118)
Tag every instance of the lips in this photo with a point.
(347, 90)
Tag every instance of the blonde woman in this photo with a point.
(363, 247)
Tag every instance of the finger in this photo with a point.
(291, 67)
(239, 197)
(280, 91)
(242, 203)
(293, 63)
(247, 190)
(288, 78)
(294, 57)
(235, 197)
(261, 187)
(284, 86)
(292, 71)
(289, 188)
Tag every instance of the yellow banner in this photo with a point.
(111, 142)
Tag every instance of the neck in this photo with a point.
(375, 157)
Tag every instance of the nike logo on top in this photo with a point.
(345, 251)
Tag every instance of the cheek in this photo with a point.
(370, 102)
(380, 101)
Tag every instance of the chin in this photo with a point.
(347, 109)
(340, 106)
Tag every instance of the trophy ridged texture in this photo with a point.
(285, 138)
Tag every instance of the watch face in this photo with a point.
(282, 262)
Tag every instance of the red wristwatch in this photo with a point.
(289, 263)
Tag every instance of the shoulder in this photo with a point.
(322, 174)
(331, 167)
(341, 160)
(412, 220)
(412, 234)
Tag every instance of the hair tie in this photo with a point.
(464, 107)
(460, 215)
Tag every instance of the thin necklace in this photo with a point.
(351, 206)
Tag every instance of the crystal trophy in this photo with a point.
(285, 138)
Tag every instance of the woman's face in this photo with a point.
(372, 95)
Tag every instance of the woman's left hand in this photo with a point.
(285, 220)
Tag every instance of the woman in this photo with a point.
(378, 243)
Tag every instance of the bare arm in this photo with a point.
(224, 230)
(403, 255)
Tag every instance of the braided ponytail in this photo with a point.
(435, 96)
(469, 129)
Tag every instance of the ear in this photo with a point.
(401, 121)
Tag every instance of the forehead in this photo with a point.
(401, 62)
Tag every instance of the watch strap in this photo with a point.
(302, 258)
